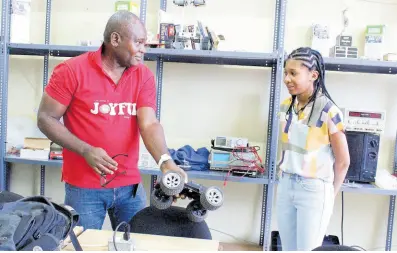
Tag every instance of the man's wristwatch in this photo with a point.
(163, 159)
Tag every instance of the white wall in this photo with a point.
(200, 112)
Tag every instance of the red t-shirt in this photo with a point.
(102, 114)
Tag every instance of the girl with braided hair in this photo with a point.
(314, 153)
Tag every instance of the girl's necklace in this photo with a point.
(301, 109)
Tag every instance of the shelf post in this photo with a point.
(143, 10)
(392, 207)
(273, 124)
(159, 83)
(45, 79)
(5, 39)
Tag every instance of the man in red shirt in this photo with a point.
(107, 99)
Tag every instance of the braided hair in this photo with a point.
(313, 60)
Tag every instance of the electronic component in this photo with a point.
(124, 243)
(193, 2)
(364, 154)
(166, 35)
(243, 161)
(181, 2)
(56, 152)
(198, 2)
(230, 142)
(121, 244)
(204, 36)
(344, 40)
(224, 160)
(364, 120)
(344, 52)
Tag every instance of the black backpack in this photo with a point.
(35, 223)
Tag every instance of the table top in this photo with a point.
(97, 240)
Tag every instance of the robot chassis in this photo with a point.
(204, 199)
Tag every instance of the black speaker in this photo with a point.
(364, 153)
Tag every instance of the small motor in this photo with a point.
(198, 2)
(181, 2)
(193, 2)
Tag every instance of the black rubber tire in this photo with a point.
(175, 183)
(212, 198)
(195, 212)
(160, 201)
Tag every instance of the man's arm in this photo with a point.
(153, 137)
(48, 116)
(342, 158)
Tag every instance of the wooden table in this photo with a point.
(97, 240)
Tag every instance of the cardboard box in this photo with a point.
(36, 148)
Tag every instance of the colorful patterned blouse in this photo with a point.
(305, 147)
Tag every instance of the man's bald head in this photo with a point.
(121, 22)
(124, 39)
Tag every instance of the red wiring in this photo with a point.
(248, 164)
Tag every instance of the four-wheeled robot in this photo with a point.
(204, 199)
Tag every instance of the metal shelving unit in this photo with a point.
(161, 56)
(360, 66)
(209, 175)
(273, 60)
(152, 54)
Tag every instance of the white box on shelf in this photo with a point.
(36, 154)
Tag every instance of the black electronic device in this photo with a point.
(276, 245)
(364, 153)
(204, 199)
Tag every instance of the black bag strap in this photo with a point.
(74, 221)
(75, 242)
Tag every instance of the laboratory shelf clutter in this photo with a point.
(273, 60)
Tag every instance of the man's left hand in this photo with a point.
(171, 166)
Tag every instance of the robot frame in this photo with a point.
(204, 199)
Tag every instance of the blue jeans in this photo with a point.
(304, 208)
(92, 204)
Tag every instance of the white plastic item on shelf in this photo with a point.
(385, 180)
(20, 21)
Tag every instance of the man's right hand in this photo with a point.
(100, 161)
